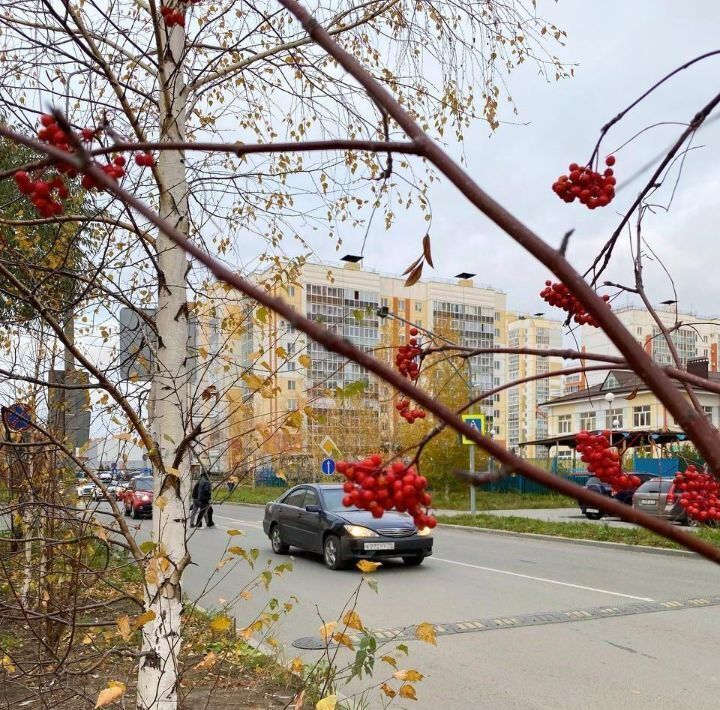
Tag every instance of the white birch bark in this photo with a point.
(162, 637)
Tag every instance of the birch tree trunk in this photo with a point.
(162, 637)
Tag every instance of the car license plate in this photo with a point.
(591, 510)
(379, 546)
(648, 502)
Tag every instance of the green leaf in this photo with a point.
(148, 546)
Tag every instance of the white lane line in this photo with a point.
(542, 579)
(240, 522)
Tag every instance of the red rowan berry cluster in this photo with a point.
(558, 294)
(115, 170)
(603, 460)
(47, 193)
(377, 488)
(589, 186)
(172, 17)
(699, 494)
(408, 413)
(408, 366)
(146, 160)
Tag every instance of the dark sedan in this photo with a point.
(312, 517)
(626, 496)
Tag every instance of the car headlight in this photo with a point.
(359, 531)
(424, 532)
(145, 498)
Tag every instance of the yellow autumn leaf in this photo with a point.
(235, 532)
(7, 665)
(123, 626)
(426, 632)
(368, 567)
(326, 630)
(125, 436)
(390, 661)
(87, 640)
(352, 620)
(221, 623)
(100, 531)
(305, 360)
(343, 639)
(410, 675)
(246, 595)
(297, 665)
(161, 503)
(203, 353)
(388, 690)
(208, 662)
(407, 691)
(252, 381)
(110, 694)
(327, 703)
(144, 618)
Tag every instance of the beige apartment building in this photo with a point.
(338, 400)
(526, 419)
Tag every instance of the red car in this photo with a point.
(138, 497)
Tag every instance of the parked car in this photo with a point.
(658, 497)
(138, 497)
(86, 490)
(312, 517)
(625, 496)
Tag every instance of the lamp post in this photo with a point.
(609, 398)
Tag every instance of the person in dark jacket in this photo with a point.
(201, 501)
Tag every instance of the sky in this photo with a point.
(619, 49)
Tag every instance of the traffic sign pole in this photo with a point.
(473, 502)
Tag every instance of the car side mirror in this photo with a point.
(313, 509)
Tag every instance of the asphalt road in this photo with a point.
(554, 624)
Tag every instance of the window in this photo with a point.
(291, 366)
(296, 498)
(291, 290)
(615, 415)
(709, 413)
(401, 304)
(565, 424)
(311, 498)
(497, 364)
(641, 416)
(587, 421)
(418, 307)
(385, 303)
(290, 348)
(291, 404)
(291, 384)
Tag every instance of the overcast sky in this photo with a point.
(620, 48)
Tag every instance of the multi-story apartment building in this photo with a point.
(526, 421)
(340, 400)
(697, 336)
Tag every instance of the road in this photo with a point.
(527, 648)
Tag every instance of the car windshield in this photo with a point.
(333, 499)
(144, 484)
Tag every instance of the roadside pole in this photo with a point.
(473, 502)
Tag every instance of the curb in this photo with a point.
(235, 502)
(577, 541)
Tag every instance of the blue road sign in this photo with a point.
(328, 467)
(477, 422)
(146, 470)
(17, 417)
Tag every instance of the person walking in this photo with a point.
(204, 497)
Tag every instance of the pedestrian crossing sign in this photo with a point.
(477, 422)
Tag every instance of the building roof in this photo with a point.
(627, 439)
(619, 382)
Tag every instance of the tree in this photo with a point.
(143, 78)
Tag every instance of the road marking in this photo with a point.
(492, 623)
(250, 524)
(543, 579)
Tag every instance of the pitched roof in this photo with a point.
(618, 382)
